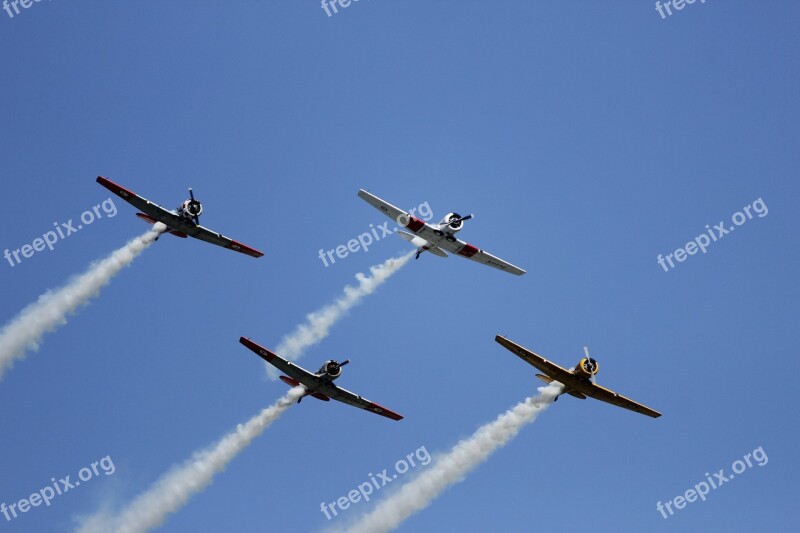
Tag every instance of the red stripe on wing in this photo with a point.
(289, 381)
(146, 218)
(119, 190)
(468, 250)
(239, 247)
(260, 350)
(414, 224)
(388, 413)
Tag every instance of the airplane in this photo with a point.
(320, 383)
(439, 238)
(183, 222)
(579, 381)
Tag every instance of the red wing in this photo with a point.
(325, 388)
(236, 246)
(149, 220)
(155, 213)
(350, 398)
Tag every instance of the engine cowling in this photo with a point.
(451, 223)
(331, 369)
(587, 367)
(190, 209)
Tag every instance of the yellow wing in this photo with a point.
(559, 374)
(605, 395)
(572, 384)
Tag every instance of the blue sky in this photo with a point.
(587, 137)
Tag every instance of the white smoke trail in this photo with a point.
(173, 490)
(319, 323)
(25, 331)
(453, 466)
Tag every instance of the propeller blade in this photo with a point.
(346, 361)
(460, 219)
(589, 362)
(195, 218)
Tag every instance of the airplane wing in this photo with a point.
(574, 384)
(605, 395)
(559, 374)
(313, 383)
(345, 396)
(156, 213)
(287, 367)
(395, 213)
(432, 235)
(465, 249)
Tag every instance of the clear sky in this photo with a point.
(587, 137)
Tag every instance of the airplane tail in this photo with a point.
(548, 380)
(421, 244)
(320, 396)
(294, 383)
(150, 220)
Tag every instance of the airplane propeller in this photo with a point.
(195, 208)
(589, 361)
(336, 365)
(456, 220)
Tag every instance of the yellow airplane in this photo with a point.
(579, 381)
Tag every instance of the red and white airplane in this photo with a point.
(183, 222)
(319, 384)
(440, 238)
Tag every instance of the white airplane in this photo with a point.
(440, 238)
(183, 222)
(318, 384)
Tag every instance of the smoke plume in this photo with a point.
(174, 489)
(453, 466)
(318, 323)
(25, 331)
